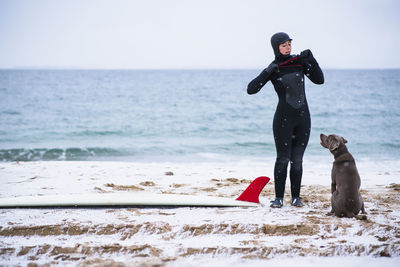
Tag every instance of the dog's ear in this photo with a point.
(333, 145)
(333, 142)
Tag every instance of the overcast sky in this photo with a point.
(195, 34)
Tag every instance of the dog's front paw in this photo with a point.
(361, 217)
(330, 213)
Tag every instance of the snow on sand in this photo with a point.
(196, 236)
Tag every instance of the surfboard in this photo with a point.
(249, 198)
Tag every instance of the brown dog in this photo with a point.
(346, 198)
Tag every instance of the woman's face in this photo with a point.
(285, 48)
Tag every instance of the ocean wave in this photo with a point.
(253, 144)
(10, 112)
(391, 145)
(97, 133)
(37, 154)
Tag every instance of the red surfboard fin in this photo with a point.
(253, 191)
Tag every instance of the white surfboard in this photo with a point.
(249, 198)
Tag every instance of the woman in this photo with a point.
(292, 122)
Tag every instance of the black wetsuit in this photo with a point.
(292, 124)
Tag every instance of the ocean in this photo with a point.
(185, 115)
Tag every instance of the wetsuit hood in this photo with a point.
(278, 39)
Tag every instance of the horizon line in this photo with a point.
(172, 69)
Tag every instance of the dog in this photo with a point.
(346, 199)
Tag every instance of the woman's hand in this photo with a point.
(307, 56)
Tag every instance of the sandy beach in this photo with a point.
(195, 236)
